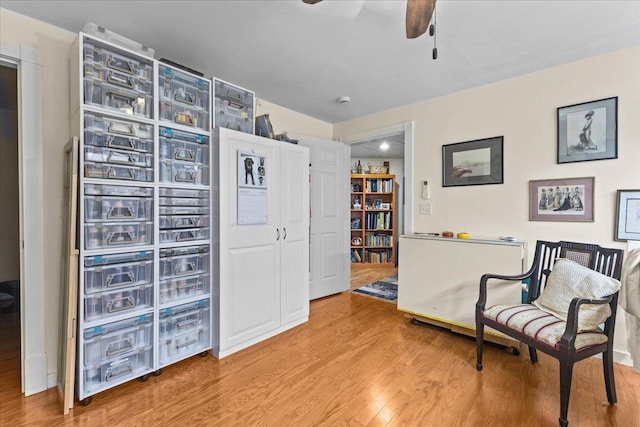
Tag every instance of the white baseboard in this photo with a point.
(622, 357)
(52, 379)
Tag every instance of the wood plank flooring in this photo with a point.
(357, 362)
(363, 275)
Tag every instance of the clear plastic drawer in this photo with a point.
(184, 318)
(119, 370)
(107, 155)
(120, 301)
(184, 345)
(183, 172)
(179, 262)
(184, 115)
(117, 98)
(184, 210)
(113, 208)
(100, 123)
(184, 192)
(183, 221)
(119, 234)
(117, 190)
(117, 339)
(98, 260)
(184, 146)
(183, 202)
(183, 88)
(179, 289)
(108, 58)
(110, 171)
(117, 77)
(98, 279)
(175, 236)
(121, 142)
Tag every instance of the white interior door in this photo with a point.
(329, 245)
(294, 241)
(249, 253)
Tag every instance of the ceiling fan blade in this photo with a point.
(419, 14)
(311, 1)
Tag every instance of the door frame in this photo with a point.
(33, 357)
(407, 128)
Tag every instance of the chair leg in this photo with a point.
(479, 343)
(609, 380)
(566, 372)
(533, 355)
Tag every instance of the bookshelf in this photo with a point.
(373, 219)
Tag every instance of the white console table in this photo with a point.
(438, 280)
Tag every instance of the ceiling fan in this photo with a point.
(419, 14)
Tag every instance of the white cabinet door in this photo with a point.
(249, 254)
(294, 217)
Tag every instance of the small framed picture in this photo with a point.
(472, 163)
(563, 199)
(588, 131)
(385, 206)
(628, 215)
(377, 203)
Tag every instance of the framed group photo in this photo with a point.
(628, 215)
(475, 162)
(588, 131)
(563, 199)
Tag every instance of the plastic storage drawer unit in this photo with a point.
(234, 107)
(115, 81)
(175, 236)
(110, 208)
(98, 124)
(184, 98)
(117, 190)
(180, 172)
(184, 331)
(173, 290)
(117, 339)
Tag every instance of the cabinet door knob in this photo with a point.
(277, 234)
(285, 232)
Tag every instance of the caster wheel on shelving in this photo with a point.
(414, 321)
(515, 351)
(86, 401)
(204, 353)
(157, 373)
(144, 378)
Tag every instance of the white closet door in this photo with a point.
(249, 254)
(294, 216)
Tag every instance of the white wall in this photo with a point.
(291, 122)
(523, 109)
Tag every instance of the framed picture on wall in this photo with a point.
(628, 215)
(562, 199)
(475, 162)
(588, 131)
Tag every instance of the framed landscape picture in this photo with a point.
(562, 199)
(628, 215)
(588, 131)
(475, 162)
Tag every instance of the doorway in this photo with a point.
(10, 358)
(389, 150)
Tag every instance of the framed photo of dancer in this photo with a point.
(562, 199)
(588, 131)
(628, 215)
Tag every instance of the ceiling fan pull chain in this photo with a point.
(432, 31)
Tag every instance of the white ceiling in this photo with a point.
(370, 149)
(305, 56)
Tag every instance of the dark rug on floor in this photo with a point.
(386, 288)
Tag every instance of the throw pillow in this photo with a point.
(569, 280)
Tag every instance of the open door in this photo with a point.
(329, 243)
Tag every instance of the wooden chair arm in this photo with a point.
(482, 299)
(568, 338)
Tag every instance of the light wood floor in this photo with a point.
(358, 361)
(363, 275)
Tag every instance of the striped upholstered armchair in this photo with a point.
(569, 313)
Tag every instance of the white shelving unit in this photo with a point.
(144, 213)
